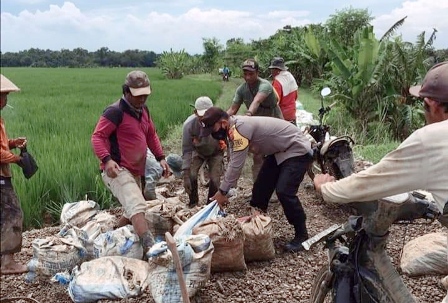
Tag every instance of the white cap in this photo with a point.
(202, 104)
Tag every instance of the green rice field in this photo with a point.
(57, 110)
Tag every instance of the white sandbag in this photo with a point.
(195, 253)
(258, 243)
(120, 242)
(426, 255)
(78, 213)
(228, 241)
(108, 278)
(55, 254)
(102, 222)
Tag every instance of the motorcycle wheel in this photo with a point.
(321, 292)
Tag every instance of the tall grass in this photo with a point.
(57, 110)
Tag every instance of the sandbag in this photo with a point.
(55, 254)
(78, 213)
(258, 243)
(195, 253)
(426, 255)
(112, 278)
(120, 242)
(159, 214)
(228, 240)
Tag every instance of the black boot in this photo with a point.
(147, 240)
(301, 235)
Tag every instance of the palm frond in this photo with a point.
(392, 29)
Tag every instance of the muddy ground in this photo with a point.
(287, 278)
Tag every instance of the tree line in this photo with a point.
(78, 57)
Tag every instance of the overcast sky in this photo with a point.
(161, 25)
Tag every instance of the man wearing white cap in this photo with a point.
(197, 150)
(120, 140)
(11, 212)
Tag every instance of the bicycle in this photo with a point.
(331, 155)
(359, 269)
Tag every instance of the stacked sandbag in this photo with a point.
(228, 239)
(111, 278)
(159, 214)
(78, 213)
(122, 242)
(55, 254)
(195, 253)
(426, 255)
(258, 242)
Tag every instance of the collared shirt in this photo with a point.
(263, 135)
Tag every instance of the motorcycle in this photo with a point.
(332, 155)
(225, 77)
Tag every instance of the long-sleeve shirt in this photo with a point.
(123, 136)
(6, 156)
(262, 135)
(420, 162)
(193, 144)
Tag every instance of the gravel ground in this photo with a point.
(287, 278)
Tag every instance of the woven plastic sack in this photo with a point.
(108, 278)
(195, 252)
(228, 239)
(258, 243)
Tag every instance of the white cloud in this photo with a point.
(147, 27)
(422, 15)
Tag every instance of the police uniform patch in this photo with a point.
(239, 141)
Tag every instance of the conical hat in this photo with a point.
(7, 86)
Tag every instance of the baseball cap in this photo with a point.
(278, 63)
(211, 116)
(250, 65)
(434, 85)
(7, 86)
(202, 104)
(138, 83)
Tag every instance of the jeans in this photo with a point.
(285, 179)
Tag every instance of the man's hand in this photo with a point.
(111, 168)
(187, 181)
(320, 179)
(166, 168)
(220, 198)
(20, 142)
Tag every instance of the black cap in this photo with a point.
(211, 116)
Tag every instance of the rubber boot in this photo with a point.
(301, 234)
(147, 241)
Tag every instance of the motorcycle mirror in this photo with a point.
(325, 91)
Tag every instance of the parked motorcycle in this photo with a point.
(332, 155)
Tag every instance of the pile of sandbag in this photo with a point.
(426, 255)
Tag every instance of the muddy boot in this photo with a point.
(147, 240)
(301, 235)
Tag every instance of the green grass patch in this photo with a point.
(57, 110)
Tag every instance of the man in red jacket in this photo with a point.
(122, 135)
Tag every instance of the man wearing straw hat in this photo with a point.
(11, 217)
